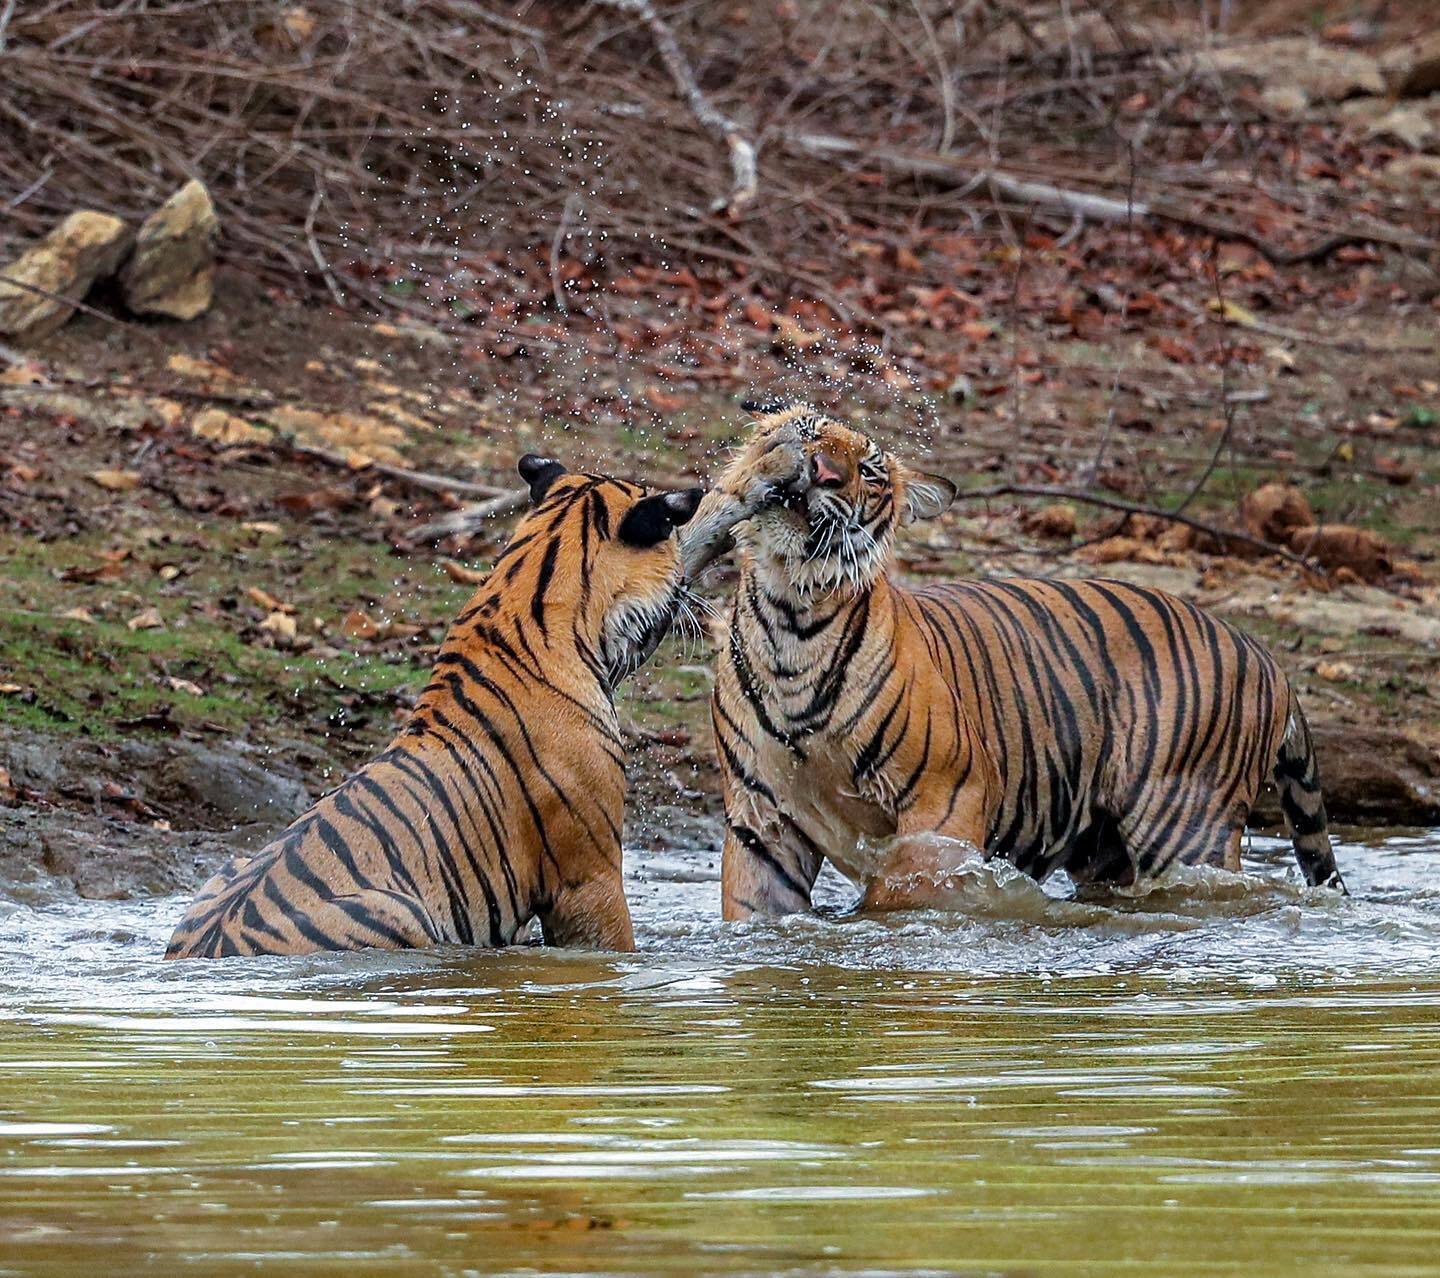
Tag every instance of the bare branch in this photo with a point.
(744, 177)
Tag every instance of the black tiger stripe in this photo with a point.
(501, 798)
(1094, 725)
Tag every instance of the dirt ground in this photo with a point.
(218, 595)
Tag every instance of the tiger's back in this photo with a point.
(502, 798)
(1119, 717)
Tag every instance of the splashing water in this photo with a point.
(1230, 1073)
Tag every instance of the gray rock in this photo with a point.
(1371, 776)
(1413, 68)
(84, 248)
(228, 787)
(193, 785)
(172, 270)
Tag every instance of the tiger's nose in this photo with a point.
(828, 472)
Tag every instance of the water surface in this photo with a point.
(1235, 1077)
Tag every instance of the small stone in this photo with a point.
(1413, 68)
(1285, 101)
(172, 271)
(1409, 125)
(1412, 172)
(1322, 72)
(85, 247)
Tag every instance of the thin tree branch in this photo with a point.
(1134, 508)
(744, 177)
(1087, 204)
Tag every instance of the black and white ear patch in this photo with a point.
(652, 519)
(539, 472)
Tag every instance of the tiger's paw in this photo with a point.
(765, 469)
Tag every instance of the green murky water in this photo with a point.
(1209, 1081)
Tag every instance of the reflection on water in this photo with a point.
(1206, 1080)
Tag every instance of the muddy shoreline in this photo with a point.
(143, 817)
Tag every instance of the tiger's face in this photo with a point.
(612, 560)
(833, 527)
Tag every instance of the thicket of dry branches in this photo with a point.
(455, 146)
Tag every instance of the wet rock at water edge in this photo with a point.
(1370, 776)
(228, 787)
(84, 248)
(172, 270)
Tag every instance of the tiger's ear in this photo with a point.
(767, 405)
(925, 495)
(539, 472)
(651, 519)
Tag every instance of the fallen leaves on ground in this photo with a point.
(116, 481)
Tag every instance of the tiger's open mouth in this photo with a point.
(822, 538)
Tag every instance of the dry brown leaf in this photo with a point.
(264, 527)
(149, 619)
(1050, 521)
(268, 601)
(357, 625)
(1340, 546)
(117, 481)
(224, 428)
(184, 685)
(108, 571)
(78, 614)
(1273, 511)
(281, 625)
(24, 374)
(457, 572)
(1335, 671)
(1230, 312)
(203, 370)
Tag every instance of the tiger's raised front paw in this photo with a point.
(765, 470)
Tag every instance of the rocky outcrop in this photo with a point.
(1309, 70)
(1371, 776)
(61, 269)
(191, 784)
(172, 270)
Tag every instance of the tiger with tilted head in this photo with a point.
(501, 799)
(1092, 726)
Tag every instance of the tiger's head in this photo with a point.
(833, 527)
(595, 560)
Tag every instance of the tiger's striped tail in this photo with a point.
(1298, 777)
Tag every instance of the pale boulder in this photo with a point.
(85, 247)
(172, 270)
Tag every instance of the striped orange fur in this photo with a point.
(501, 799)
(1093, 726)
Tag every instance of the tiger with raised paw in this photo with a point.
(501, 800)
(1101, 728)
